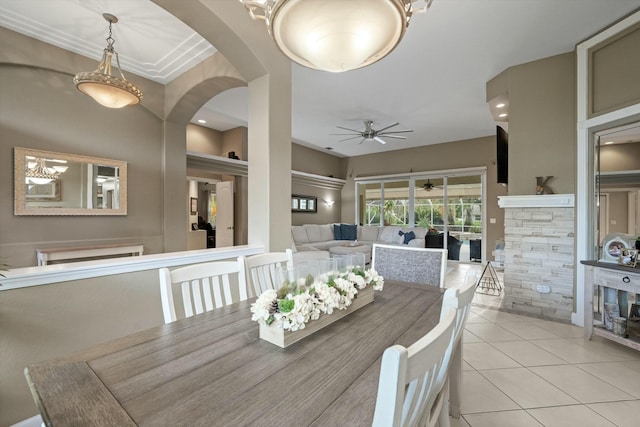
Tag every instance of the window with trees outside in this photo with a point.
(447, 203)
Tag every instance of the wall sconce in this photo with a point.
(330, 203)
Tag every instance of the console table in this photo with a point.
(612, 276)
(62, 254)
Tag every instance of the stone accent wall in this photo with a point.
(539, 252)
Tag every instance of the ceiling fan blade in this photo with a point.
(396, 131)
(342, 134)
(363, 140)
(352, 130)
(387, 127)
(394, 136)
(347, 139)
(380, 140)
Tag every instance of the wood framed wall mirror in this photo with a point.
(49, 183)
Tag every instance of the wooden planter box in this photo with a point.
(282, 338)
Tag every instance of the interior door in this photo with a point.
(224, 214)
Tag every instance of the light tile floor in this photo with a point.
(522, 371)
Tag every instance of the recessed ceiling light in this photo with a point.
(202, 121)
(502, 115)
(608, 143)
(501, 105)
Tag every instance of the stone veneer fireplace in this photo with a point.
(539, 236)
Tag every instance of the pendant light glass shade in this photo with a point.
(334, 35)
(106, 89)
(39, 173)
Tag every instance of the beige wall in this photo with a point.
(618, 212)
(204, 140)
(542, 124)
(45, 322)
(614, 72)
(317, 162)
(326, 214)
(620, 157)
(452, 155)
(52, 115)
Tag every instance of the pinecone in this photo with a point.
(274, 307)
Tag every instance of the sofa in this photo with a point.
(322, 237)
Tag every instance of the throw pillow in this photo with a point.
(337, 235)
(408, 237)
(349, 231)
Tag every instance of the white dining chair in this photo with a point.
(460, 299)
(410, 264)
(410, 389)
(203, 287)
(262, 270)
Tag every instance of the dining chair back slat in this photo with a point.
(410, 264)
(411, 379)
(262, 270)
(203, 287)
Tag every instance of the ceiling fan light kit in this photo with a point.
(105, 88)
(371, 134)
(336, 35)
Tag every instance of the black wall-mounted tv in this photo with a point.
(502, 155)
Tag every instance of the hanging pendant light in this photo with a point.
(335, 35)
(39, 173)
(106, 89)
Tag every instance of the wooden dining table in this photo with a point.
(212, 369)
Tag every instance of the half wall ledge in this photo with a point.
(48, 274)
(537, 201)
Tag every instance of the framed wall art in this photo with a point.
(193, 205)
(304, 203)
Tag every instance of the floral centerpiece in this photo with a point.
(300, 301)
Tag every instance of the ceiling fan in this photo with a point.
(428, 186)
(371, 134)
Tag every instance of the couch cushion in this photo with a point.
(391, 234)
(348, 232)
(313, 232)
(337, 234)
(369, 233)
(420, 232)
(299, 234)
(326, 230)
(407, 237)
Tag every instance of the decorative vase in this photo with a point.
(282, 338)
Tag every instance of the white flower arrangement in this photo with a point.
(297, 303)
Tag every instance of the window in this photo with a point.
(448, 202)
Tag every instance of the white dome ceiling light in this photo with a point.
(336, 35)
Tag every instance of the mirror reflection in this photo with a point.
(617, 184)
(48, 183)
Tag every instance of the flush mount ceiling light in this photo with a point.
(109, 90)
(336, 35)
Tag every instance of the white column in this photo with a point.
(269, 155)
